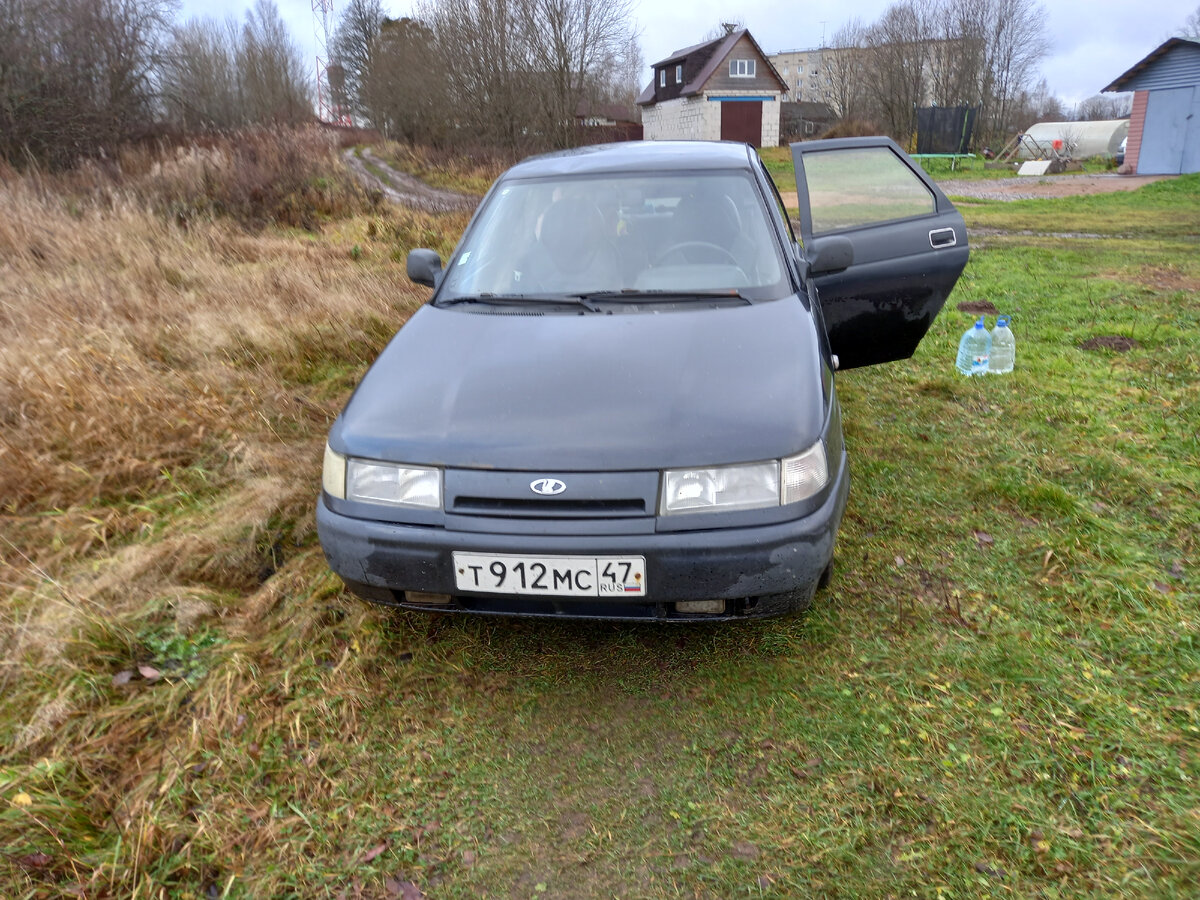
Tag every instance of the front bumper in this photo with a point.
(759, 571)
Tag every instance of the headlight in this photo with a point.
(805, 474)
(392, 485)
(333, 474)
(372, 482)
(754, 486)
(726, 488)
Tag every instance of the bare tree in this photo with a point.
(1191, 26)
(353, 46)
(1100, 107)
(571, 45)
(77, 75)
(896, 60)
(1016, 44)
(957, 52)
(218, 75)
(844, 80)
(271, 70)
(404, 92)
(516, 71)
(199, 76)
(80, 75)
(483, 60)
(981, 53)
(618, 76)
(1045, 106)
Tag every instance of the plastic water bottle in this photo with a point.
(1004, 348)
(974, 349)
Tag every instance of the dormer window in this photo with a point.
(679, 74)
(662, 77)
(742, 68)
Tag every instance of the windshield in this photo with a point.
(667, 232)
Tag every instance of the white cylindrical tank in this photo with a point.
(1079, 139)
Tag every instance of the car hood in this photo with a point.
(519, 390)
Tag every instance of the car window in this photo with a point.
(862, 186)
(672, 231)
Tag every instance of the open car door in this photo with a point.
(884, 245)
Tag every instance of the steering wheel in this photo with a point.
(684, 250)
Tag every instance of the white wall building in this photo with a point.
(725, 89)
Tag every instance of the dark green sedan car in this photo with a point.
(620, 401)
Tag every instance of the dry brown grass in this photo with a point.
(166, 381)
(133, 346)
(470, 171)
(255, 177)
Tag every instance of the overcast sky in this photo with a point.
(1091, 41)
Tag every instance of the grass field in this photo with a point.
(999, 695)
(778, 161)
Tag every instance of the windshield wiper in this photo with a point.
(669, 294)
(521, 299)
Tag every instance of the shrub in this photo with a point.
(852, 128)
(287, 177)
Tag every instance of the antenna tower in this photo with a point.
(331, 77)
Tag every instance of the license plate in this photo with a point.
(551, 576)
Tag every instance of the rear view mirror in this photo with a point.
(830, 254)
(424, 267)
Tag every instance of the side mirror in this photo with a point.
(830, 254)
(424, 267)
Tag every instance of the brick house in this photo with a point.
(725, 89)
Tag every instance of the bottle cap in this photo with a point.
(979, 324)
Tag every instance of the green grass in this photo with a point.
(998, 695)
(778, 161)
(1156, 211)
(976, 167)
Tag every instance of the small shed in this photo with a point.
(604, 123)
(725, 89)
(1164, 128)
(804, 119)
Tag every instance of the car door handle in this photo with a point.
(942, 237)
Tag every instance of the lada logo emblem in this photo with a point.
(547, 487)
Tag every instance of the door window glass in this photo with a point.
(862, 186)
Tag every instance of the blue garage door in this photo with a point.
(1171, 136)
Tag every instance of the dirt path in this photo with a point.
(402, 188)
(1036, 188)
(1031, 188)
